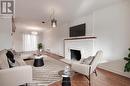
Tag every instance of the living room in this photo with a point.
(106, 28)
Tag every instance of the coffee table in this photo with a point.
(66, 79)
(38, 61)
(61, 73)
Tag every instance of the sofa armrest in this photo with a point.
(81, 68)
(16, 76)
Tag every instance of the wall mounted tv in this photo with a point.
(78, 30)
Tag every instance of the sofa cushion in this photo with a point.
(19, 62)
(3, 59)
(88, 60)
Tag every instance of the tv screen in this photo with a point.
(78, 30)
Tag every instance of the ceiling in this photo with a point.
(30, 13)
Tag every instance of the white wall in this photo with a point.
(112, 27)
(18, 39)
(53, 39)
(5, 33)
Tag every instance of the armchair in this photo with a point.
(87, 70)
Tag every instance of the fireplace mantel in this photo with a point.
(84, 37)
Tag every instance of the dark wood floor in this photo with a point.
(104, 78)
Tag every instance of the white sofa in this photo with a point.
(15, 76)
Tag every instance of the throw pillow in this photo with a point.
(18, 60)
(88, 60)
(10, 58)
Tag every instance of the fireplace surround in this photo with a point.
(84, 44)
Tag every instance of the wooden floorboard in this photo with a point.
(104, 78)
(55, 56)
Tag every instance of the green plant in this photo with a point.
(127, 65)
(39, 46)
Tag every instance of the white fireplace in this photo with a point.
(85, 46)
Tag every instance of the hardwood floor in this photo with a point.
(57, 57)
(104, 78)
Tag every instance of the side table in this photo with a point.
(66, 81)
(38, 61)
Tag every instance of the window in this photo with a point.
(30, 42)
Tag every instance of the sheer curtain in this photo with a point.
(30, 42)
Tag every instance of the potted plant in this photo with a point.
(39, 46)
(127, 65)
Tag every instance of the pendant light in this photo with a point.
(53, 21)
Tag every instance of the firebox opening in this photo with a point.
(75, 54)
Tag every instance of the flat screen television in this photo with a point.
(78, 30)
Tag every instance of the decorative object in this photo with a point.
(39, 46)
(13, 25)
(11, 59)
(127, 65)
(67, 70)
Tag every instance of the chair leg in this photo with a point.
(89, 80)
(95, 72)
(26, 84)
(89, 76)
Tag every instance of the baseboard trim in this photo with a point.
(113, 73)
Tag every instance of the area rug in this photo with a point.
(47, 74)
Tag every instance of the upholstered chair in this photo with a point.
(87, 70)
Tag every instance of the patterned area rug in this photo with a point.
(48, 73)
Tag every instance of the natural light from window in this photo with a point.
(30, 42)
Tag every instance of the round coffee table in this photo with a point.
(38, 61)
(61, 73)
(66, 78)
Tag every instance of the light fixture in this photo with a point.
(34, 33)
(53, 20)
(54, 23)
